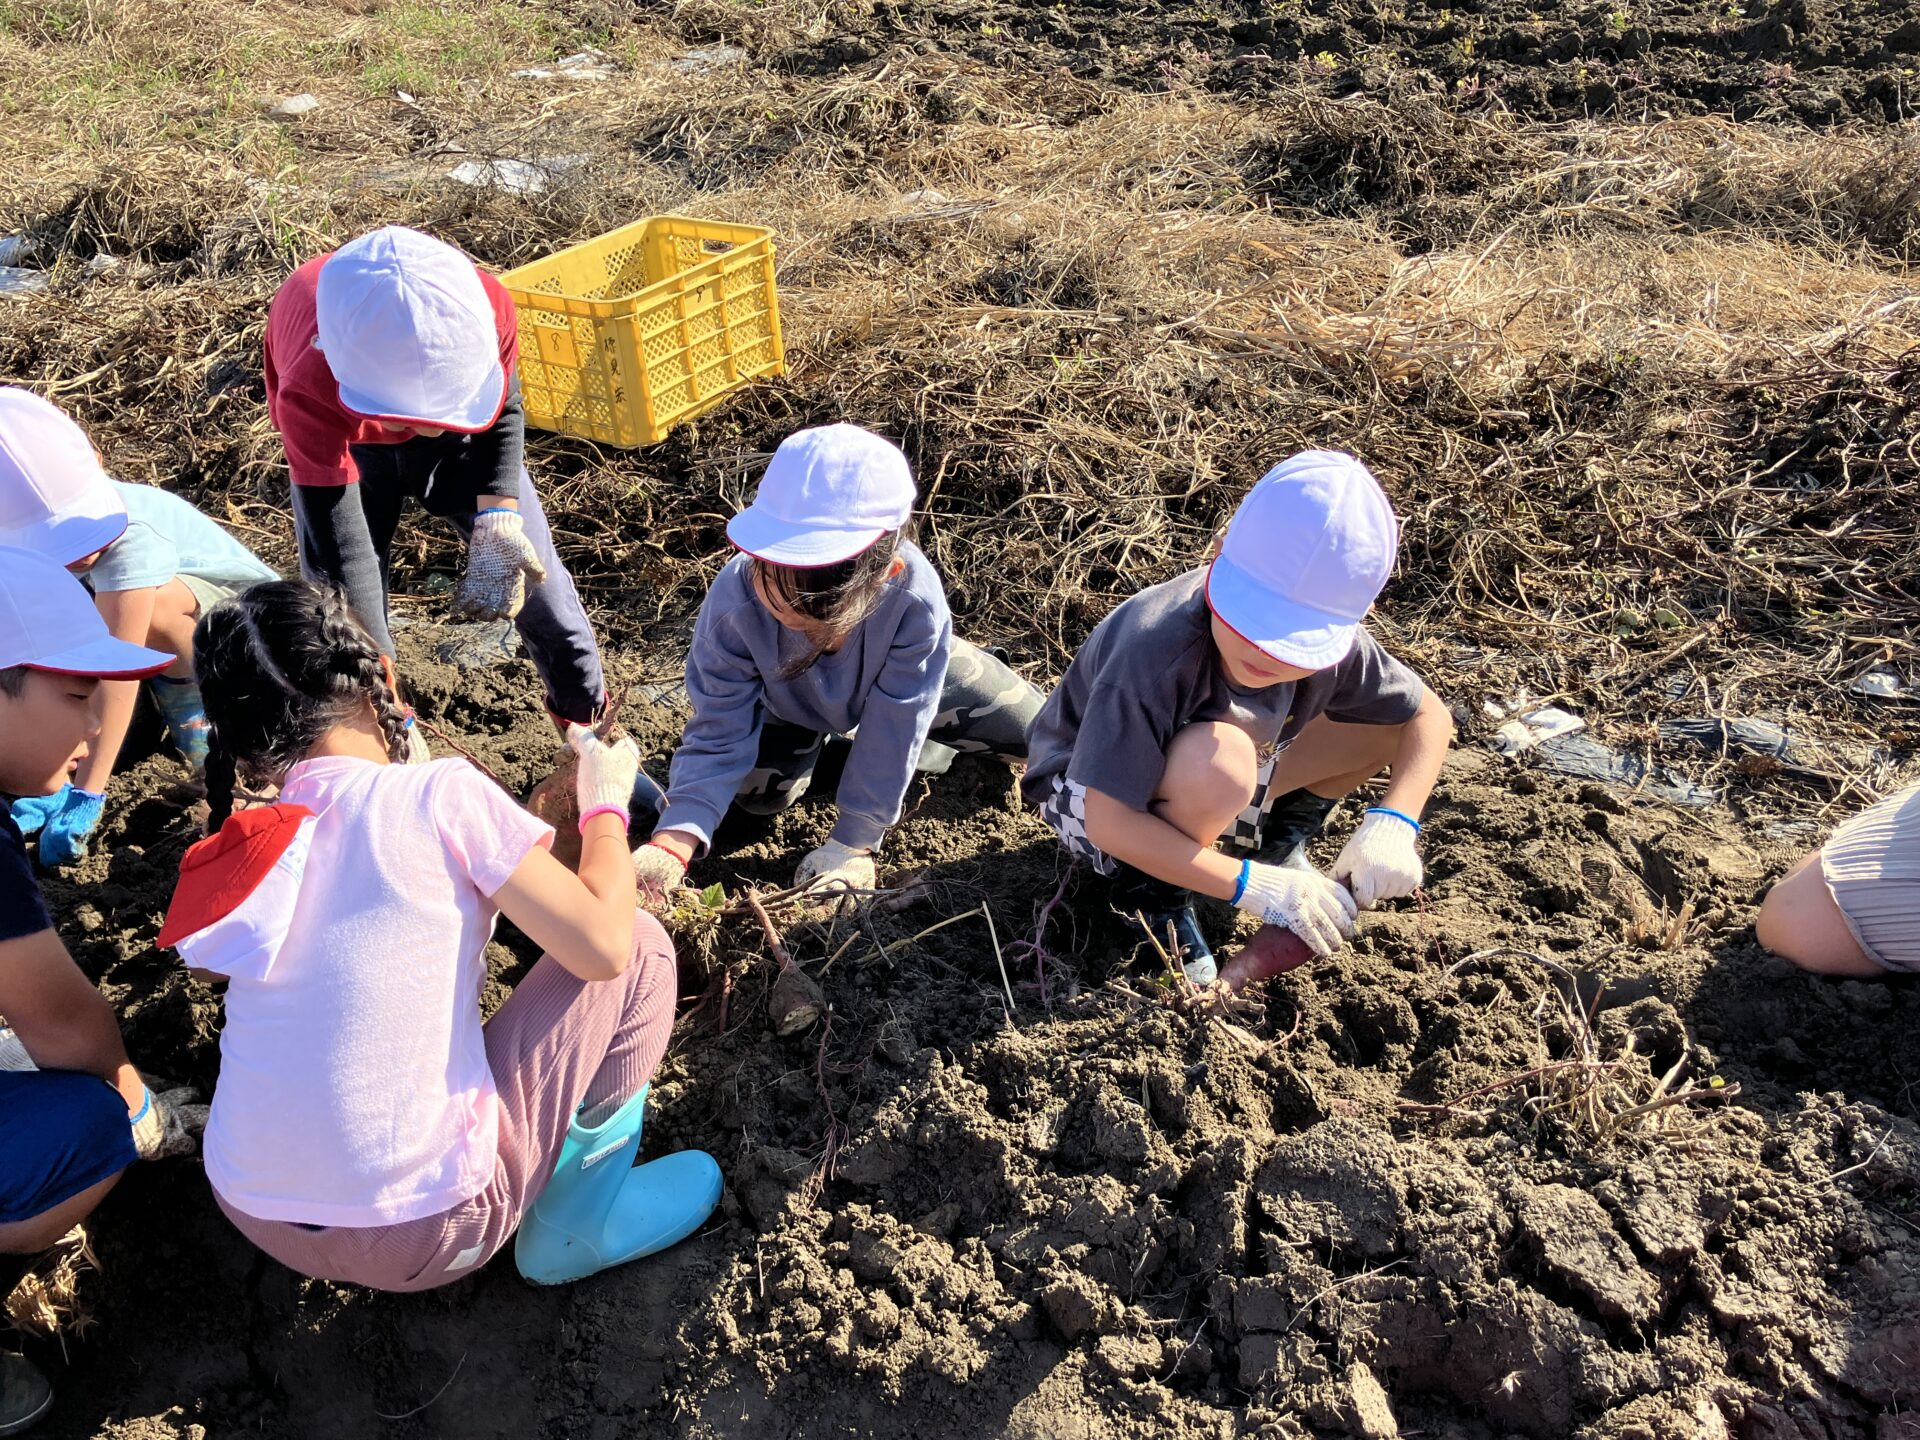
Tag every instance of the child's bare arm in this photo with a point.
(129, 617)
(584, 921)
(1143, 840)
(65, 1023)
(1417, 761)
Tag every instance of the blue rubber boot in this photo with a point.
(1166, 912)
(186, 716)
(600, 1210)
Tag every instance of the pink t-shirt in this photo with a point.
(354, 1087)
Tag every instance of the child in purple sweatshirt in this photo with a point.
(829, 622)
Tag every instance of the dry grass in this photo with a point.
(1605, 370)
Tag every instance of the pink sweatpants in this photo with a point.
(557, 1043)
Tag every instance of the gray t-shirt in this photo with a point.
(1150, 669)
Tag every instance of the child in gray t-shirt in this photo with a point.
(1239, 702)
(829, 622)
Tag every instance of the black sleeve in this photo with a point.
(22, 911)
(495, 457)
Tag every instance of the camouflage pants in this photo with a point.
(985, 709)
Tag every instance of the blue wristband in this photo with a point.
(1240, 886)
(1396, 814)
(146, 1104)
(495, 510)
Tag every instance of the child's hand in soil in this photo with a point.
(168, 1124)
(1298, 898)
(1380, 861)
(657, 871)
(835, 867)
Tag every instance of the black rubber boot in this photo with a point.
(1295, 818)
(25, 1395)
(1167, 911)
(643, 810)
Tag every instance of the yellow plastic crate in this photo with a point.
(625, 336)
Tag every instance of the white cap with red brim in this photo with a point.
(1304, 558)
(47, 622)
(409, 333)
(828, 494)
(54, 497)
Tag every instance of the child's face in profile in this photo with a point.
(1247, 665)
(44, 733)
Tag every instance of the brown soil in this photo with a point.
(1813, 61)
(1103, 1215)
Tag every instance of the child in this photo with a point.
(1852, 907)
(69, 1127)
(390, 373)
(1241, 701)
(367, 1127)
(829, 622)
(155, 564)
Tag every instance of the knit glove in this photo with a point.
(836, 867)
(657, 870)
(63, 838)
(1299, 898)
(500, 560)
(1380, 862)
(169, 1124)
(417, 752)
(35, 810)
(608, 768)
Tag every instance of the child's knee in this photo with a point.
(1212, 764)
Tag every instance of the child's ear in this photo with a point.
(1219, 539)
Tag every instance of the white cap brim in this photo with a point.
(1292, 633)
(106, 657)
(779, 542)
(478, 412)
(65, 539)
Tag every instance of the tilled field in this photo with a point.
(1556, 1152)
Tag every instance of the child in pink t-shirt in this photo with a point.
(366, 1126)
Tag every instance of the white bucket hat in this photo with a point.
(828, 494)
(54, 497)
(48, 622)
(1305, 556)
(409, 332)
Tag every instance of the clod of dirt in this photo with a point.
(1573, 1238)
(1338, 1185)
(556, 800)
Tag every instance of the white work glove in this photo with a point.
(1299, 898)
(1379, 861)
(500, 561)
(607, 771)
(168, 1124)
(658, 870)
(835, 867)
(417, 752)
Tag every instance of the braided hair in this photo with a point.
(836, 599)
(278, 667)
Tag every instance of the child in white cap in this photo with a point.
(154, 564)
(1239, 702)
(74, 1113)
(390, 369)
(829, 622)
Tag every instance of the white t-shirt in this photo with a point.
(354, 1087)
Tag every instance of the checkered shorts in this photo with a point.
(1065, 809)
